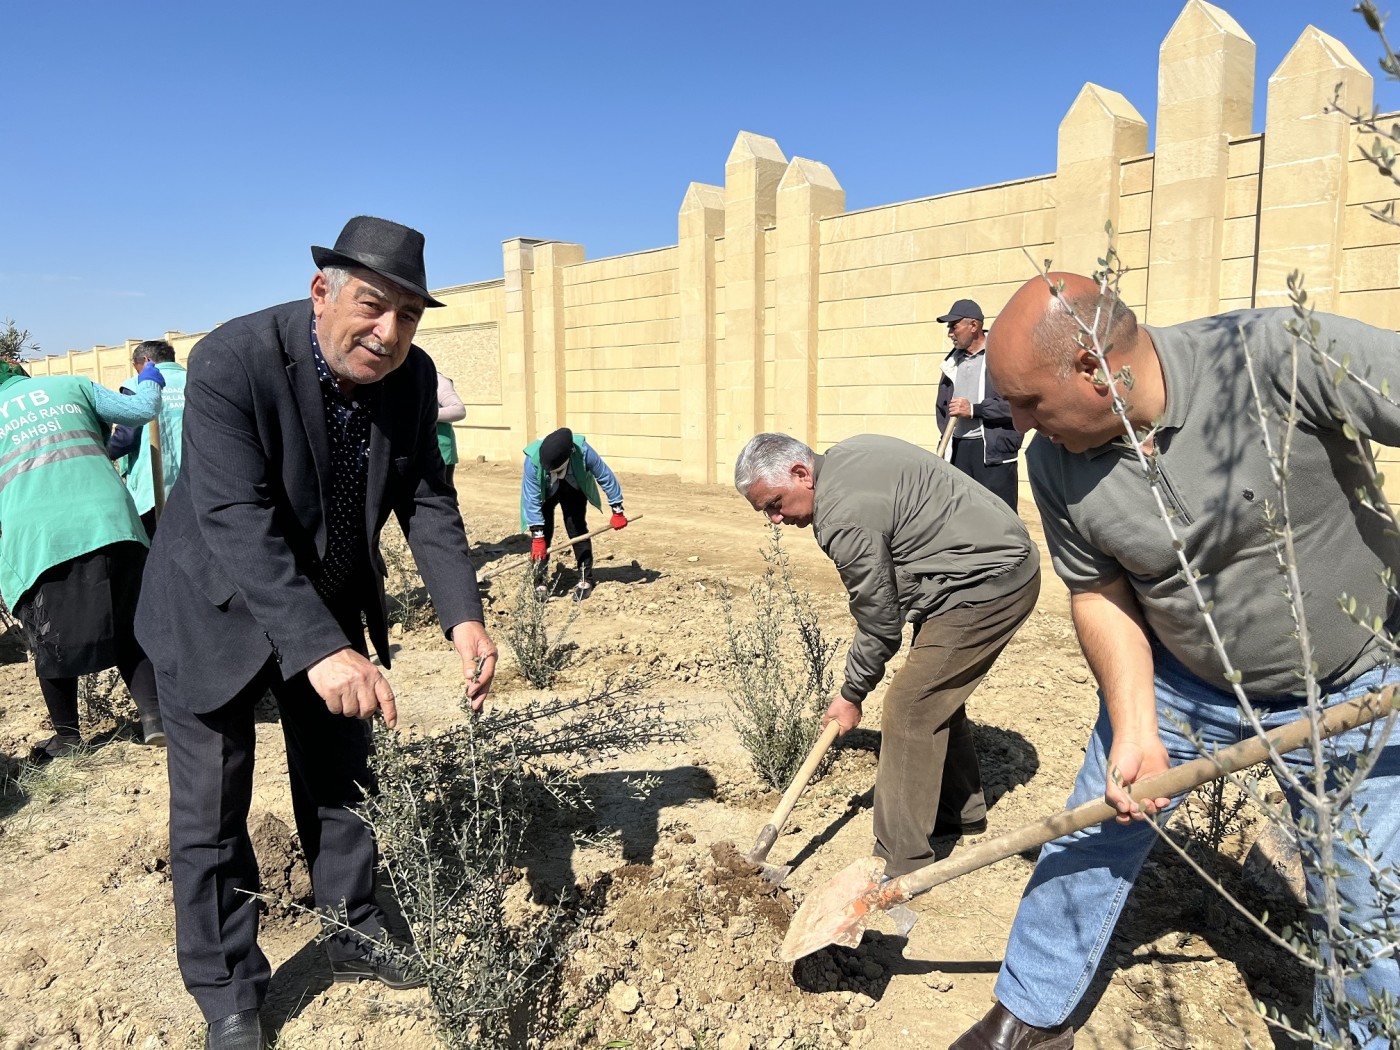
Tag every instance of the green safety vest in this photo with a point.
(447, 443)
(587, 485)
(59, 496)
(136, 467)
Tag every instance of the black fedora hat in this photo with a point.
(394, 252)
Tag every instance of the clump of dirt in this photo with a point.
(685, 953)
(286, 881)
(147, 854)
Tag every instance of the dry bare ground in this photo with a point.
(684, 952)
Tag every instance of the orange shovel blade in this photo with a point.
(837, 913)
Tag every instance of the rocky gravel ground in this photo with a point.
(683, 950)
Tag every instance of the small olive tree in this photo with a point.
(779, 668)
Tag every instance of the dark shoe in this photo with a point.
(57, 746)
(152, 731)
(1000, 1029)
(240, 1031)
(972, 827)
(582, 590)
(541, 591)
(152, 728)
(397, 965)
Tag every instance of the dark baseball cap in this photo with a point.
(962, 308)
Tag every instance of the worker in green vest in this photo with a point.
(450, 410)
(562, 470)
(72, 547)
(130, 445)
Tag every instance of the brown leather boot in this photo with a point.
(1000, 1029)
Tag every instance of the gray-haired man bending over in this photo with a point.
(915, 541)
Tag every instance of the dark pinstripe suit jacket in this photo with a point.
(227, 584)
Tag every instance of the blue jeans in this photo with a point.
(1081, 881)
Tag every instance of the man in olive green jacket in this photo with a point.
(915, 541)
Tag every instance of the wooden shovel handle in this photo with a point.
(799, 781)
(946, 437)
(1175, 781)
(562, 545)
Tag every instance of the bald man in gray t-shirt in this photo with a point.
(1191, 401)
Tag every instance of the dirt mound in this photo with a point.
(685, 953)
(286, 882)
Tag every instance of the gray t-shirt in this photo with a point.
(967, 382)
(1101, 521)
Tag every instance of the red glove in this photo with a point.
(538, 551)
(618, 520)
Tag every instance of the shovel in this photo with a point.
(837, 914)
(776, 873)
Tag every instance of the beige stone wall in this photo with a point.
(1241, 227)
(621, 360)
(777, 308)
(464, 340)
(887, 273)
(1133, 228)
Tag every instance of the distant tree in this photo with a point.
(15, 343)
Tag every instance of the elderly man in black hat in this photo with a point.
(563, 470)
(984, 445)
(305, 425)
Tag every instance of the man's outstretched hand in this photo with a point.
(352, 686)
(478, 655)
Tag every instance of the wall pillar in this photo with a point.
(547, 294)
(751, 175)
(517, 341)
(700, 225)
(1205, 97)
(1303, 190)
(1099, 131)
(807, 194)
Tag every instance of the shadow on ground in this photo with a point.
(626, 803)
(1007, 760)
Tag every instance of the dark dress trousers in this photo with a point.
(228, 611)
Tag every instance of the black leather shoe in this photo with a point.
(59, 745)
(398, 966)
(1000, 1029)
(240, 1031)
(972, 827)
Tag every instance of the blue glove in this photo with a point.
(151, 374)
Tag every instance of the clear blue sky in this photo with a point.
(168, 164)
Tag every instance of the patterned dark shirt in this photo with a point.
(347, 423)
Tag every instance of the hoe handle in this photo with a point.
(1175, 781)
(562, 545)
